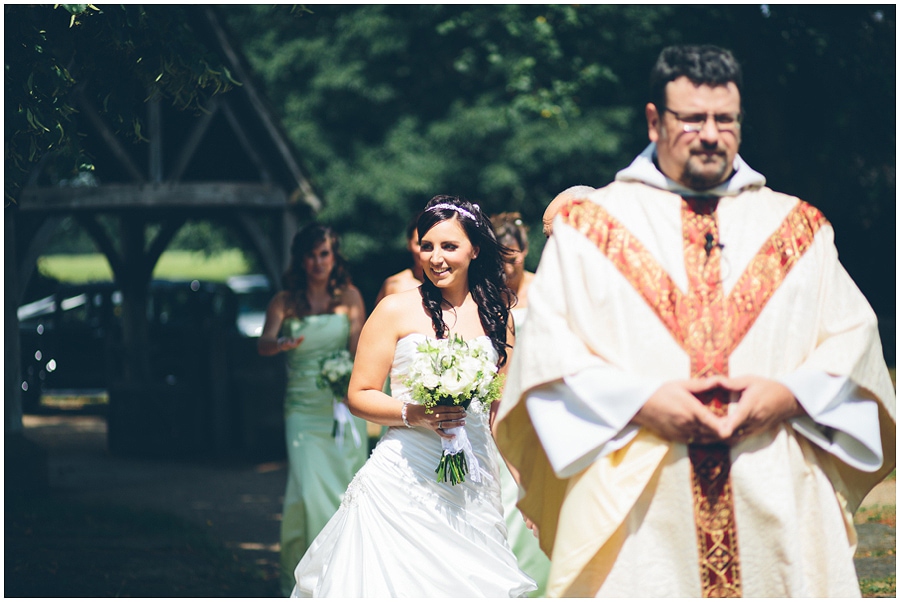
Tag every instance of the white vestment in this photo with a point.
(613, 502)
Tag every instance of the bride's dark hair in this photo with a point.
(487, 280)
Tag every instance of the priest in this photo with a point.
(716, 403)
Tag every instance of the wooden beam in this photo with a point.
(109, 137)
(262, 243)
(242, 137)
(33, 247)
(303, 186)
(152, 196)
(104, 242)
(162, 239)
(155, 125)
(192, 142)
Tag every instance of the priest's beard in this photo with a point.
(700, 175)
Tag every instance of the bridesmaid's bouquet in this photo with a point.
(453, 372)
(334, 374)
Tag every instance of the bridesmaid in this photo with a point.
(513, 234)
(412, 276)
(318, 313)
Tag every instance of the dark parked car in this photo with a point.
(210, 392)
(71, 339)
(64, 341)
(253, 293)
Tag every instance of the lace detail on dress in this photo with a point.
(356, 489)
(428, 497)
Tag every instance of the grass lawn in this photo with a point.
(879, 588)
(876, 523)
(173, 265)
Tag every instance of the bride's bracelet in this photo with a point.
(403, 415)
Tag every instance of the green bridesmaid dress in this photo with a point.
(319, 468)
(522, 540)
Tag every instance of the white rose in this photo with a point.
(421, 365)
(471, 365)
(452, 382)
(430, 380)
(468, 372)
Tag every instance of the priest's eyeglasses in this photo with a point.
(694, 122)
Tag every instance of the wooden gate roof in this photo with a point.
(232, 162)
(238, 140)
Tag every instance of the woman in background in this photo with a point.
(412, 276)
(512, 233)
(317, 314)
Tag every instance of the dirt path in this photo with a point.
(239, 504)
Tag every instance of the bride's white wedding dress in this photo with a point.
(400, 533)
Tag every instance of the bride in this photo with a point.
(399, 532)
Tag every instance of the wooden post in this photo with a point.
(12, 394)
(154, 121)
(25, 463)
(134, 282)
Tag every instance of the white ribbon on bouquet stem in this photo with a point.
(461, 443)
(343, 417)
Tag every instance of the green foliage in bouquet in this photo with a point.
(451, 372)
(429, 398)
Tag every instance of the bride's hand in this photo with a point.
(441, 418)
(530, 524)
(288, 343)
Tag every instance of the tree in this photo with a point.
(389, 105)
(510, 104)
(53, 51)
(505, 104)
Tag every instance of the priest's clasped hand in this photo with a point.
(676, 413)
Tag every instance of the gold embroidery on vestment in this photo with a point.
(708, 325)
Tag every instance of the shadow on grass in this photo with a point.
(56, 548)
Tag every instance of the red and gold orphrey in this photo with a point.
(708, 325)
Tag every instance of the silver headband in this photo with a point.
(459, 210)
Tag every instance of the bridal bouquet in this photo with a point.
(334, 374)
(452, 372)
